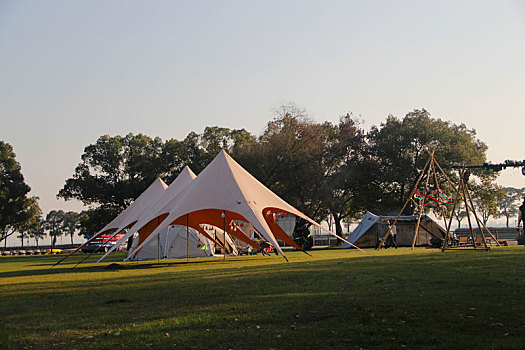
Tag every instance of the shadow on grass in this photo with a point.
(401, 257)
(47, 268)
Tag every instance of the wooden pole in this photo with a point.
(422, 202)
(462, 182)
(224, 232)
(187, 238)
(404, 206)
(436, 183)
(479, 221)
(447, 235)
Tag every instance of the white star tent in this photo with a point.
(224, 192)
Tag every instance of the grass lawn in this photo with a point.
(335, 299)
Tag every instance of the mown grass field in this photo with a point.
(335, 299)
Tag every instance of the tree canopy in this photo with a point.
(400, 146)
(321, 168)
(17, 210)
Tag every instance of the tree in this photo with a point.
(116, 170)
(38, 232)
(112, 173)
(54, 224)
(508, 206)
(287, 158)
(459, 215)
(486, 197)
(71, 223)
(32, 224)
(16, 208)
(348, 181)
(400, 147)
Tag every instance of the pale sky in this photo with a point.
(71, 71)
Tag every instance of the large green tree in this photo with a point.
(349, 181)
(16, 208)
(117, 169)
(400, 146)
(113, 172)
(288, 158)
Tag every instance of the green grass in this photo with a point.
(336, 299)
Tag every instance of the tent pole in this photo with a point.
(404, 206)
(224, 232)
(158, 244)
(187, 238)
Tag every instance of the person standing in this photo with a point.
(393, 233)
(521, 215)
(391, 237)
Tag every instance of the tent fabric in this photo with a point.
(130, 215)
(373, 228)
(175, 243)
(147, 213)
(225, 187)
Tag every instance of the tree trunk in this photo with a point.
(72, 238)
(338, 227)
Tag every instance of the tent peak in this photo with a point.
(188, 171)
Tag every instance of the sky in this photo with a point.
(71, 71)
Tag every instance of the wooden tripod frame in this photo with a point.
(463, 190)
(460, 189)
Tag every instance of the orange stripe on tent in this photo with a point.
(278, 231)
(213, 217)
(147, 229)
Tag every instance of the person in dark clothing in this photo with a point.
(391, 238)
(521, 215)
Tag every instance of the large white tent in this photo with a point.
(224, 192)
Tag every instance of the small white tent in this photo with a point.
(373, 228)
(147, 221)
(130, 215)
(225, 192)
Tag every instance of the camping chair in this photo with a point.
(478, 241)
(463, 240)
